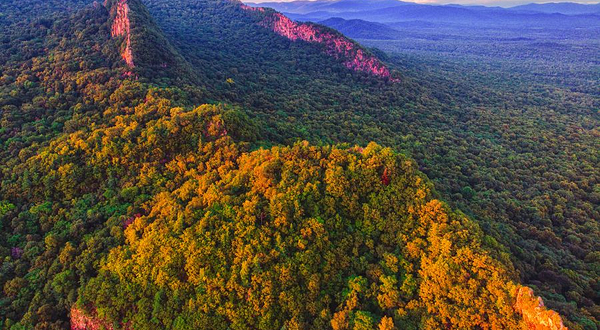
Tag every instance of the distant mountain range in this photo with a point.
(339, 6)
(571, 15)
(303, 7)
(567, 8)
(360, 29)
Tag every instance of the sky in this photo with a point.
(502, 3)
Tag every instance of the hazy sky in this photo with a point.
(503, 3)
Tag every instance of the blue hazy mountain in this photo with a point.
(360, 29)
(392, 12)
(303, 7)
(336, 6)
(567, 8)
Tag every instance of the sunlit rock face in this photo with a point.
(81, 321)
(122, 27)
(335, 43)
(535, 315)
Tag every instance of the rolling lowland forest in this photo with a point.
(202, 164)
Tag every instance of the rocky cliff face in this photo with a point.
(535, 315)
(81, 321)
(121, 27)
(336, 45)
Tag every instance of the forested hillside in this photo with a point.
(524, 163)
(199, 164)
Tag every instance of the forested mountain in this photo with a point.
(204, 164)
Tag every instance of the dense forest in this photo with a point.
(226, 178)
(523, 161)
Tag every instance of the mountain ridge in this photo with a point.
(354, 56)
(150, 170)
(121, 24)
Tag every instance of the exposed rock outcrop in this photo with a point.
(535, 315)
(336, 44)
(121, 27)
(81, 321)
